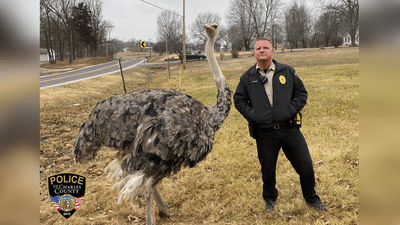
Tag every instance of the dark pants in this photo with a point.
(293, 144)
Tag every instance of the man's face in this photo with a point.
(263, 50)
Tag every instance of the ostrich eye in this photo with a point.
(215, 26)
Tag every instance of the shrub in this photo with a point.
(336, 41)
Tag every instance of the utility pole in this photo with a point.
(166, 52)
(184, 38)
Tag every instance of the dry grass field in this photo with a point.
(226, 187)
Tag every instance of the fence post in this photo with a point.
(120, 67)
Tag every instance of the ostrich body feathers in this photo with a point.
(158, 130)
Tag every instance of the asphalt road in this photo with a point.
(87, 72)
(103, 69)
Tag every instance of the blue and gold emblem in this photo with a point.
(66, 202)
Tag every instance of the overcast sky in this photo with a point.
(138, 19)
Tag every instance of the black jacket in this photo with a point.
(289, 97)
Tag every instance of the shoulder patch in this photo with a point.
(297, 75)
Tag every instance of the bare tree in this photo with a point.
(59, 38)
(297, 23)
(315, 34)
(263, 14)
(239, 17)
(170, 29)
(51, 25)
(329, 24)
(80, 27)
(276, 35)
(257, 16)
(105, 28)
(62, 9)
(108, 26)
(132, 45)
(97, 23)
(65, 13)
(290, 30)
(114, 46)
(222, 40)
(197, 28)
(349, 12)
(233, 39)
(46, 31)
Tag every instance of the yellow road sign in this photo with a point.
(143, 44)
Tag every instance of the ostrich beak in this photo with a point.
(211, 27)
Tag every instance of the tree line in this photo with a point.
(75, 29)
(293, 26)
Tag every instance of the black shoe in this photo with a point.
(269, 206)
(319, 206)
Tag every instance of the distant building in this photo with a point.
(45, 55)
(347, 39)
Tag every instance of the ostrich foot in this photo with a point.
(163, 215)
(162, 206)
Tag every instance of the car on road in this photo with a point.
(195, 55)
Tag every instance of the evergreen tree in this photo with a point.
(82, 17)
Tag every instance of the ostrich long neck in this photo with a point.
(220, 110)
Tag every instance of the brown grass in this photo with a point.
(226, 187)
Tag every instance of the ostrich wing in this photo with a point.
(160, 130)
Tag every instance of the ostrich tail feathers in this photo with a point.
(134, 185)
(129, 185)
(114, 171)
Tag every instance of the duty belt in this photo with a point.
(277, 127)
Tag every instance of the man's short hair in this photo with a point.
(261, 39)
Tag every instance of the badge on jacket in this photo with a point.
(282, 79)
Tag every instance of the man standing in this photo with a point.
(270, 95)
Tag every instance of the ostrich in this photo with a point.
(156, 132)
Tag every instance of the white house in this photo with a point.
(347, 39)
(44, 55)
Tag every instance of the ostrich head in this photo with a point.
(211, 29)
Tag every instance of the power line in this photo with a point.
(176, 4)
(161, 8)
(183, 17)
(193, 7)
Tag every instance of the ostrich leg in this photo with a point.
(162, 206)
(149, 208)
